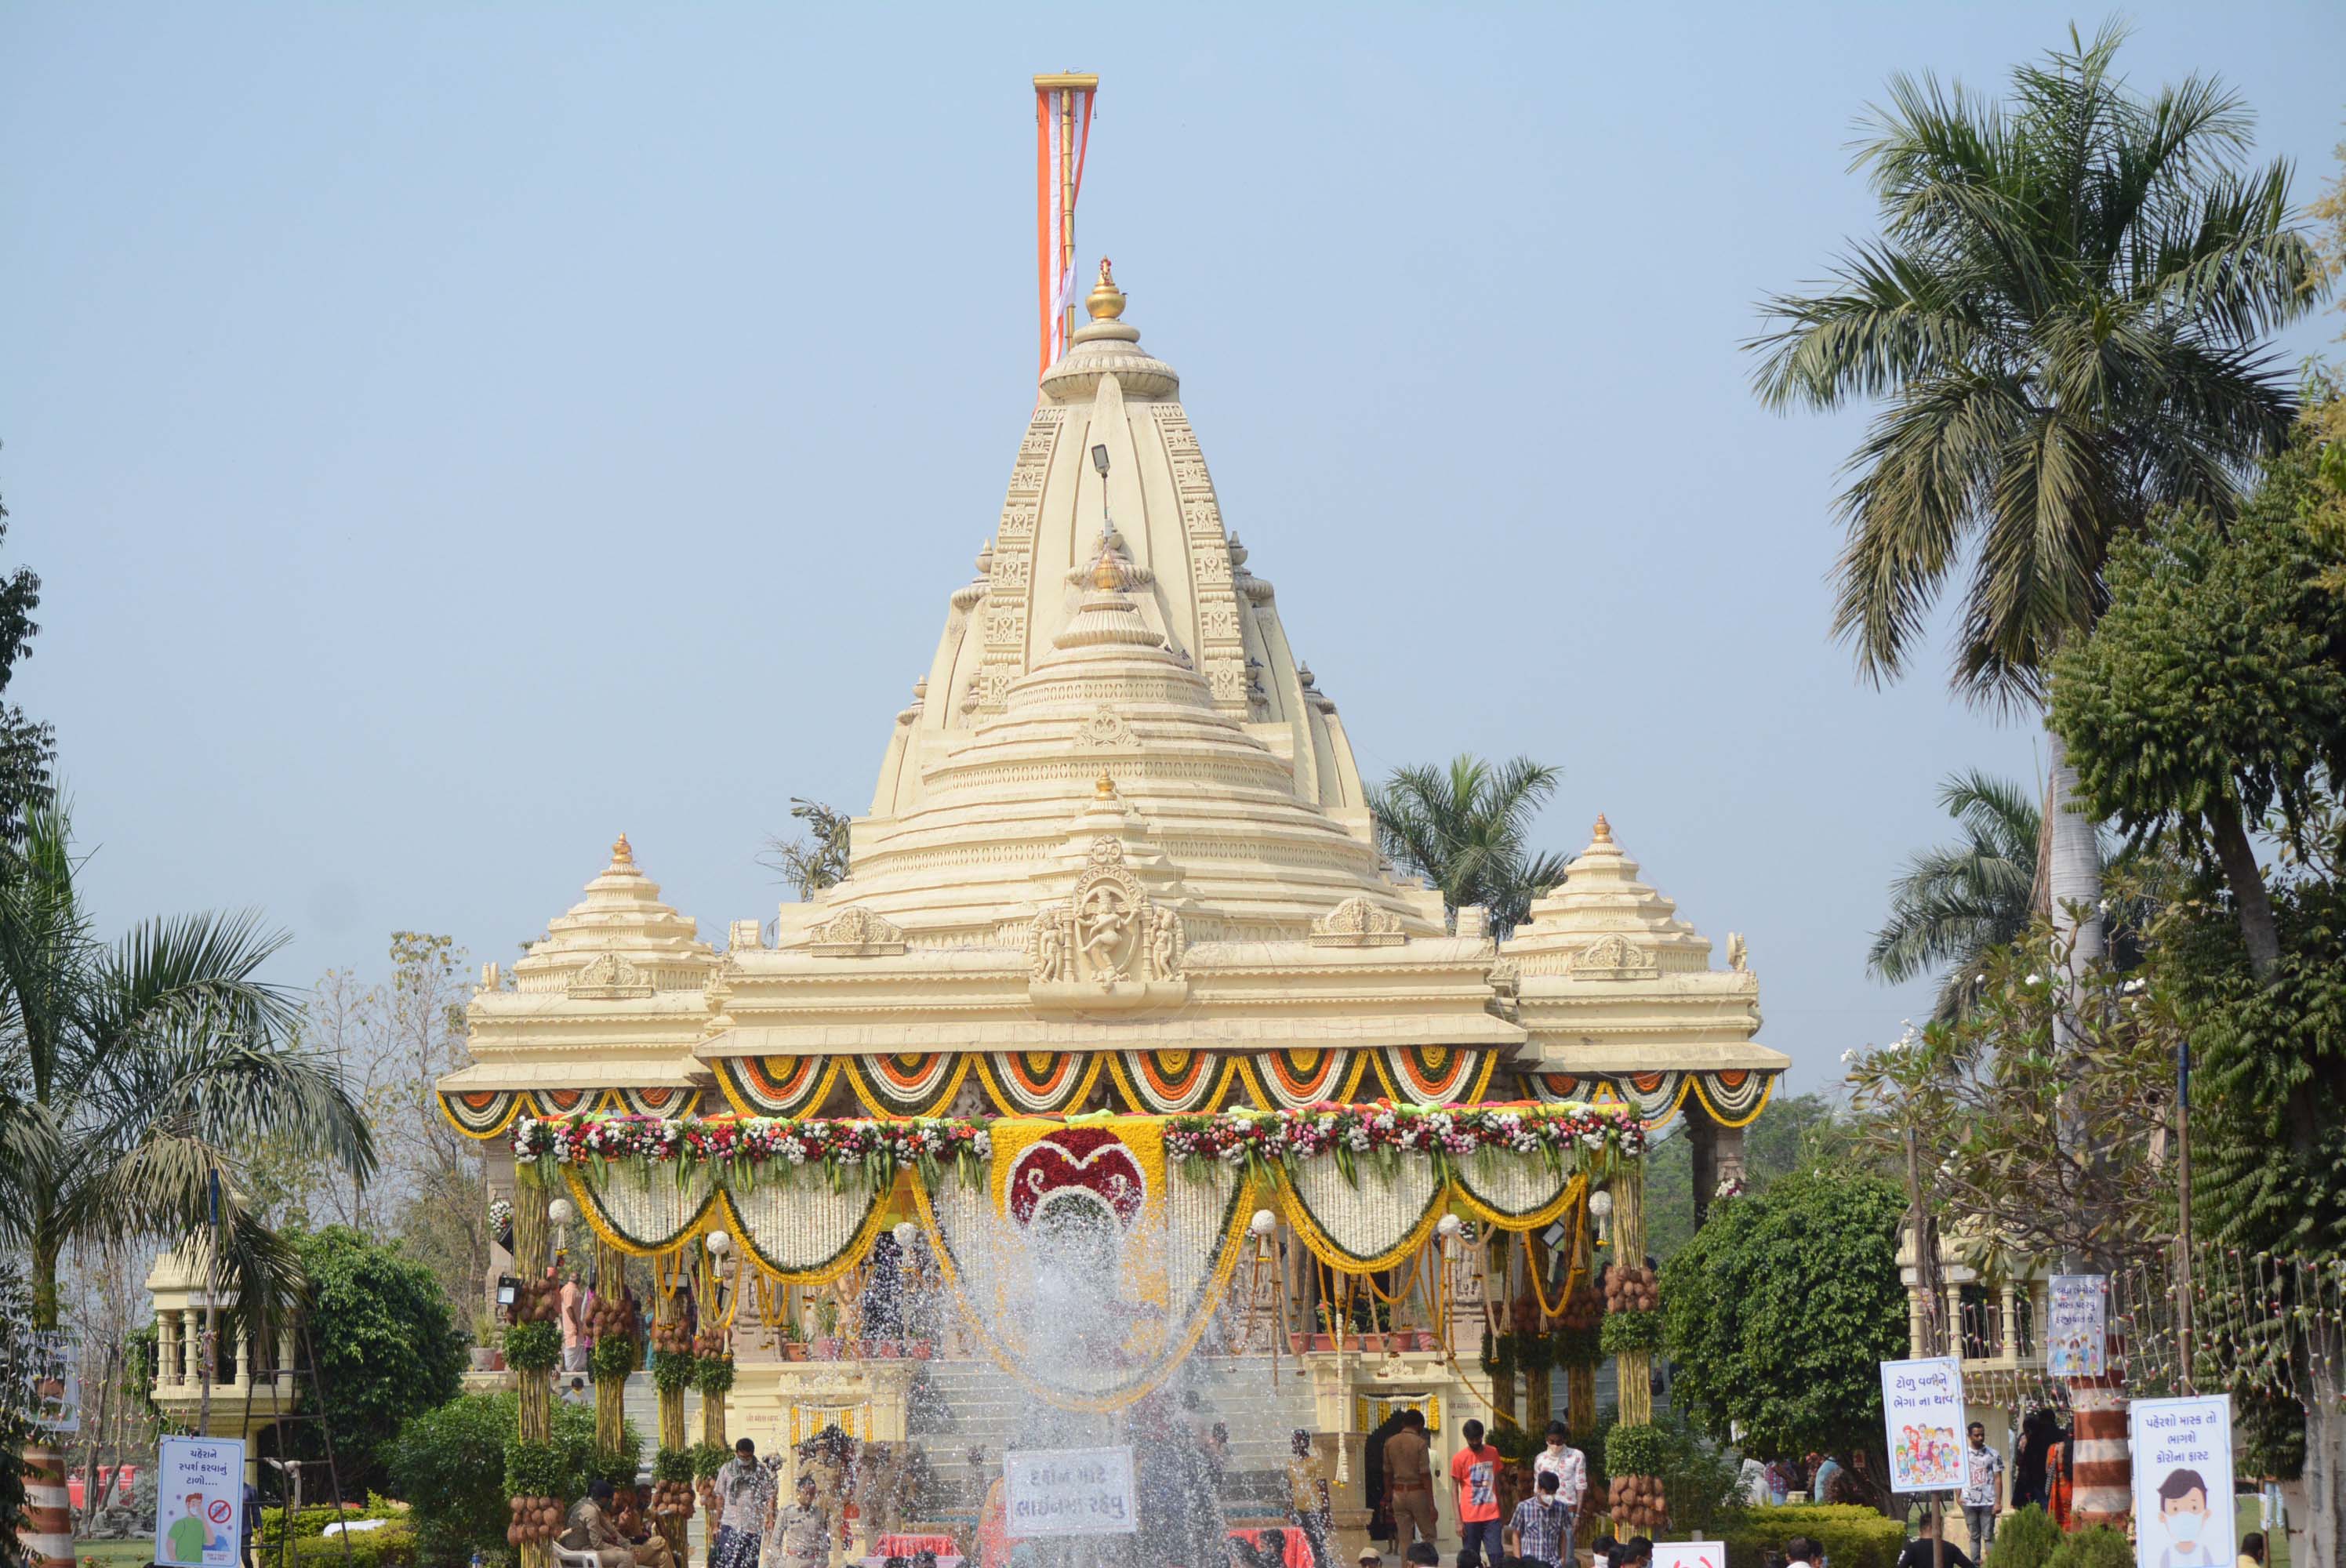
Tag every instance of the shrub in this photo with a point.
(1622, 1331)
(614, 1357)
(1851, 1536)
(672, 1464)
(2023, 1539)
(310, 1521)
(714, 1377)
(708, 1458)
(2099, 1547)
(534, 1347)
(672, 1372)
(1635, 1450)
(392, 1546)
(449, 1463)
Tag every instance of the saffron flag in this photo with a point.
(1063, 131)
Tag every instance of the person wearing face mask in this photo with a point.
(2183, 1514)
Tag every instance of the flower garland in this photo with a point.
(742, 1147)
(1276, 1143)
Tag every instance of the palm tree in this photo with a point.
(1464, 830)
(1958, 900)
(142, 1066)
(2067, 313)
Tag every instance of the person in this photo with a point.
(799, 1536)
(1474, 1472)
(1799, 1552)
(575, 1394)
(1570, 1468)
(1637, 1552)
(2252, 1549)
(189, 1534)
(593, 1527)
(251, 1522)
(1922, 1550)
(2028, 1453)
(1369, 1558)
(1983, 1476)
(992, 1516)
(1600, 1551)
(574, 1325)
(1307, 1495)
(1408, 1477)
(1824, 1479)
(2060, 1481)
(2183, 1515)
(740, 1516)
(1422, 1554)
(1540, 1531)
(1859, 1485)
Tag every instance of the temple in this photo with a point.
(1118, 862)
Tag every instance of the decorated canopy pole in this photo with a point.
(532, 1350)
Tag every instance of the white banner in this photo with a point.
(1069, 1491)
(1689, 1554)
(2182, 1482)
(1922, 1416)
(200, 1502)
(2076, 1338)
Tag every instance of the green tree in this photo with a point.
(1957, 900)
(387, 1345)
(143, 1062)
(1468, 831)
(2211, 697)
(2066, 314)
(1796, 1131)
(25, 746)
(447, 1464)
(1778, 1312)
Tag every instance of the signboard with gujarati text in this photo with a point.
(1922, 1416)
(1069, 1491)
(2076, 1338)
(2182, 1482)
(200, 1502)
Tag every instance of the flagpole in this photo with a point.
(1067, 87)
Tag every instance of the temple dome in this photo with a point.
(1115, 626)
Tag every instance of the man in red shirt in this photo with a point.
(1477, 1472)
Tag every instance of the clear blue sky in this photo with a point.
(450, 435)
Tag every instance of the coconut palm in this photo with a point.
(143, 1065)
(2067, 315)
(1465, 830)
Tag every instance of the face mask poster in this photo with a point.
(2182, 1482)
(1923, 1412)
(198, 1503)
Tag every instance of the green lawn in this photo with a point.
(115, 1553)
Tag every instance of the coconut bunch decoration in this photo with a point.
(1582, 1308)
(535, 1521)
(672, 1499)
(1637, 1501)
(537, 1301)
(615, 1317)
(673, 1340)
(1629, 1289)
(711, 1342)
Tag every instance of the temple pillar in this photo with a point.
(1718, 1154)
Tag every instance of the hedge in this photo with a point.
(312, 1521)
(392, 1546)
(2099, 1547)
(2023, 1539)
(1851, 1536)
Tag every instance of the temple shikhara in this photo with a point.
(1116, 886)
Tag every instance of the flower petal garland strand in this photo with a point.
(1272, 1144)
(843, 1150)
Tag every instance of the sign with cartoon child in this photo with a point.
(1922, 1415)
(2182, 1482)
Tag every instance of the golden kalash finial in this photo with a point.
(621, 854)
(1604, 830)
(1106, 788)
(1106, 572)
(1106, 302)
